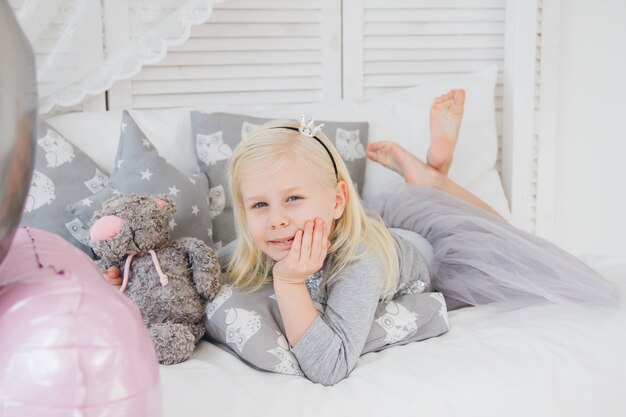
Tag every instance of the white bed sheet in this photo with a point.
(541, 360)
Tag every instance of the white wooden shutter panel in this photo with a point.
(403, 42)
(519, 110)
(395, 44)
(546, 110)
(293, 46)
(535, 132)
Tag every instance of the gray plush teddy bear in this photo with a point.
(169, 280)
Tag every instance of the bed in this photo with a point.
(513, 360)
(540, 360)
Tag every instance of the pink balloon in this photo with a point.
(70, 343)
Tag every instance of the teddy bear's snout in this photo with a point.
(106, 227)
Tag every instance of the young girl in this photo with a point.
(301, 225)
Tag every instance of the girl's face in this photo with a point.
(278, 205)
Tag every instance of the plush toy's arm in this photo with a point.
(205, 269)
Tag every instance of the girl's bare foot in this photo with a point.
(393, 156)
(446, 114)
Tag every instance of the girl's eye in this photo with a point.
(259, 205)
(294, 198)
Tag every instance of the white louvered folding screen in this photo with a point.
(255, 52)
(298, 51)
(249, 52)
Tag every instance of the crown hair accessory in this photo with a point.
(307, 128)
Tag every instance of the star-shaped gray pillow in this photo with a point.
(140, 169)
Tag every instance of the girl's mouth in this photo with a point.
(282, 244)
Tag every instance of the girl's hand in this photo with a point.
(306, 255)
(112, 276)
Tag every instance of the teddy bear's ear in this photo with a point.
(165, 203)
(159, 202)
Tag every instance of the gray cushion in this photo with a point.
(249, 324)
(140, 169)
(215, 135)
(62, 174)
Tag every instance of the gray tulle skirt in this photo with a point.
(480, 259)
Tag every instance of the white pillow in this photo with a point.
(98, 133)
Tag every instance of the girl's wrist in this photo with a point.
(288, 281)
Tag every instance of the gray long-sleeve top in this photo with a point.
(331, 346)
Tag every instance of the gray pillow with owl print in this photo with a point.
(140, 169)
(62, 174)
(215, 135)
(249, 325)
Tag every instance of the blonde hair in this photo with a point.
(250, 268)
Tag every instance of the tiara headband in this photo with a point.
(307, 129)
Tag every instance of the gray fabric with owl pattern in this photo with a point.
(249, 325)
(62, 174)
(140, 169)
(215, 135)
(352, 320)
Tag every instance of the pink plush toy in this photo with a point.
(70, 343)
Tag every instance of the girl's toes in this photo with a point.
(372, 155)
(373, 146)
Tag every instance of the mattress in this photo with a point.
(497, 360)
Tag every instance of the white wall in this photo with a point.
(590, 198)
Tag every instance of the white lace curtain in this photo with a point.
(82, 47)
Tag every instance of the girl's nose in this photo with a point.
(279, 220)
